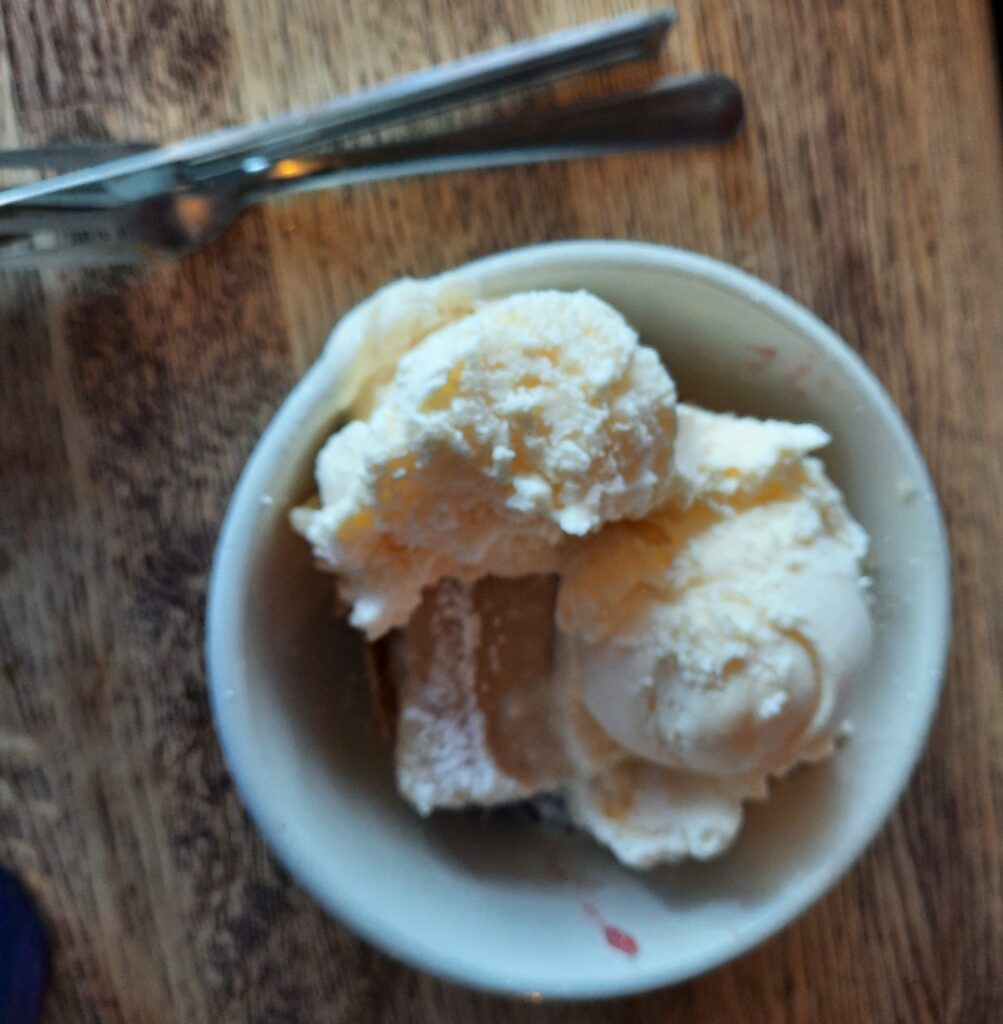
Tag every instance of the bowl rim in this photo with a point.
(222, 650)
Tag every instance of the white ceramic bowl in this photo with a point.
(499, 903)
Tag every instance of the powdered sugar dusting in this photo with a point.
(452, 764)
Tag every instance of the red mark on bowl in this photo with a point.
(617, 938)
(795, 378)
(620, 940)
(762, 356)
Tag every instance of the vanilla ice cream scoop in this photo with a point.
(719, 635)
(394, 320)
(648, 815)
(535, 418)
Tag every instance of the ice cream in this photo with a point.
(532, 419)
(718, 634)
(716, 639)
(650, 815)
(576, 585)
(393, 321)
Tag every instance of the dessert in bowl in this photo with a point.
(618, 542)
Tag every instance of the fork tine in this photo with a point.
(71, 156)
(24, 220)
(86, 198)
(25, 254)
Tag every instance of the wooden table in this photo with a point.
(868, 184)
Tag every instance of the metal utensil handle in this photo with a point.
(458, 83)
(434, 89)
(677, 112)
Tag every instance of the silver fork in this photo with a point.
(675, 112)
(149, 203)
(517, 66)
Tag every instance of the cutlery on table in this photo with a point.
(121, 203)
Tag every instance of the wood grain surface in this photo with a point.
(868, 183)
